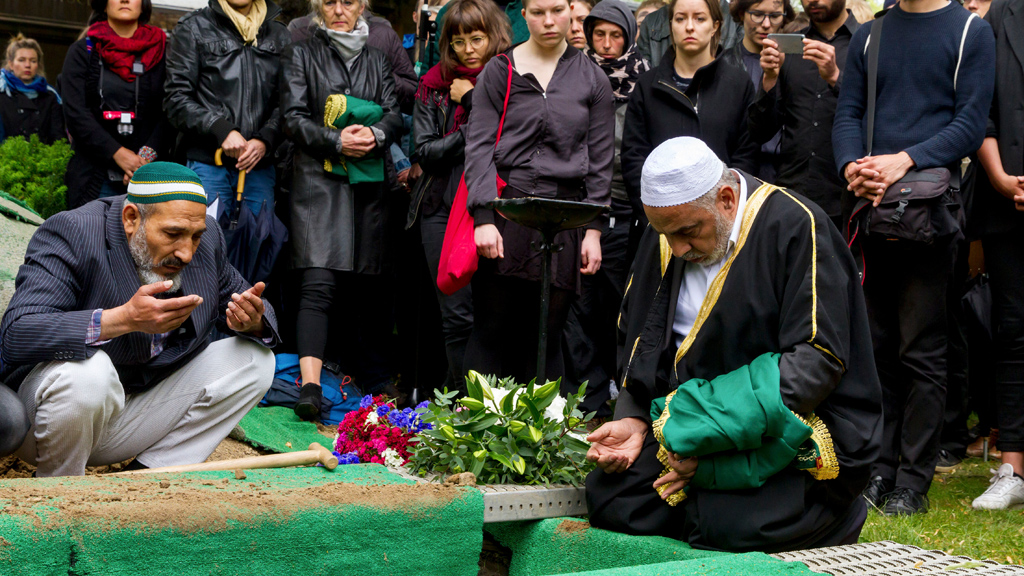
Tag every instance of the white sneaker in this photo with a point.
(1006, 491)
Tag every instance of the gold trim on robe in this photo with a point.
(826, 464)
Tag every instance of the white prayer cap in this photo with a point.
(679, 171)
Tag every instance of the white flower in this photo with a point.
(555, 410)
(499, 394)
(392, 459)
(371, 419)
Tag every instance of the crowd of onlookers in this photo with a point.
(363, 151)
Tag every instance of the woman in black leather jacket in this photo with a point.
(473, 32)
(341, 232)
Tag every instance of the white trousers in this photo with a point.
(81, 416)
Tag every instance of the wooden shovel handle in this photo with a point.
(316, 454)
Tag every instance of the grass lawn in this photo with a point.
(951, 525)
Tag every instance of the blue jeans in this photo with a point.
(221, 182)
(110, 188)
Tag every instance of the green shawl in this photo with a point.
(739, 429)
(342, 111)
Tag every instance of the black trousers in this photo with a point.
(590, 330)
(954, 423)
(505, 320)
(421, 360)
(457, 309)
(905, 287)
(14, 422)
(362, 328)
(792, 511)
(1004, 260)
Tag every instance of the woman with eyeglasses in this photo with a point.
(759, 19)
(472, 33)
(689, 93)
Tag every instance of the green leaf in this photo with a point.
(575, 444)
(473, 386)
(504, 461)
(535, 413)
(518, 464)
(472, 403)
(508, 402)
(477, 467)
(482, 424)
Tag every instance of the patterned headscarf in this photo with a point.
(622, 72)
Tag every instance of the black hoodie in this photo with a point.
(713, 108)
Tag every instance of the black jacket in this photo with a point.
(24, 116)
(992, 213)
(442, 155)
(216, 83)
(336, 225)
(94, 139)
(714, 109)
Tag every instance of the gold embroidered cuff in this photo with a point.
(823, 463)
(677, 497)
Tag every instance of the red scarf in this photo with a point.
(436, 81)
(120, 53)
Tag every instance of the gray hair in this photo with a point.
(707, 201)
(317, 8)
(144, 210)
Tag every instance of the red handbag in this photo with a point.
(459, 258)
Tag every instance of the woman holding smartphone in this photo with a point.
(557, 142)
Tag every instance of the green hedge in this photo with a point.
(34, 172)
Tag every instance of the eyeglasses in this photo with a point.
(757, 17)
(476, 42)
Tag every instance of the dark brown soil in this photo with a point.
(193, 504)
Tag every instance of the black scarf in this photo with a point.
(622, 72)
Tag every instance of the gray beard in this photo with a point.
(144, 262)
(723, 229)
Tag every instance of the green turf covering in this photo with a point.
(566, 545)
(397, 537)
(274, 427)
(752, 564)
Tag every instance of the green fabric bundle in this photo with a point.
(736, 425)
(341, 111)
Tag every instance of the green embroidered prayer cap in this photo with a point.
(163, 182)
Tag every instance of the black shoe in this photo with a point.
(308, 406)
(906, 502)
(947, 462)
(134, 465)
(877, 491)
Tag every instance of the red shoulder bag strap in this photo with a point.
(508, 90)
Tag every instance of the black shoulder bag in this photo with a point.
(924, 204)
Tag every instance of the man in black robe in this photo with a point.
(730, 269)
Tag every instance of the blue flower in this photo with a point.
(349, 458)
(398, 418)
(383, 410)
(422, 405)
(366, 402)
